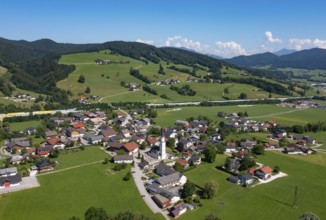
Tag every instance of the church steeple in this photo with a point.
(163, 146)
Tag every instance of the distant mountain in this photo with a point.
(262, 59)
(304, 59)
(284, 52)
(215, 56)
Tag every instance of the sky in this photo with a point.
(222, 27)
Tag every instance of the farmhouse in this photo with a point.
(175, 179)
(264, 172)
(10, 181)
(45, 165)
(123, 158)
(131, 148)
(12, 171)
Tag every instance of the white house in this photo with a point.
(123, 159)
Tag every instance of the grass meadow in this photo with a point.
(267, 201)
(104, 80)
(71, 192)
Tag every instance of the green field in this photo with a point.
(300, 117)
(268, 201)
(167, 117)
(104, 80)
(71, 192)
(20, 126)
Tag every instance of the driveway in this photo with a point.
(137, 174)
(27, 183)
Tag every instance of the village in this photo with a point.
(158, 155)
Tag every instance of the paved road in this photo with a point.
(137, 174)
(27, 183)
(222, 101)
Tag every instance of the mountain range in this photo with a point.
(305, 59)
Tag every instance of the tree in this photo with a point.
(127, 176)
(309, 216)
(220, 149)
(258, 149)
(210, 153)
(209, 190)
(188, 189)
(88, 90)
(298, 129)
(226, 91)
(152, 113)
(243, 96)
(161, 70)
(81, 79)
(23, 151)
(13, 151)
(246, 163)
(276, 169)
(96, 214)
(211, 216)
(178, 167)
(170, 143)
(283, 142)
(106, 160)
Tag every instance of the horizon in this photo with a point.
(225, 29)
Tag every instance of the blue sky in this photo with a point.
(226, 28)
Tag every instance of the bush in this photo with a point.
(127, 176)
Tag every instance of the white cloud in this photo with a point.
(300, 44)
(270, 39)
(150, 42)
(225, 49)
(179, 41)
(229, 49)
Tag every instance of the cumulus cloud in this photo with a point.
(179, 41)
(150, 42)
(300, 44)
(225, 49)
(229, 49)
(271, 39)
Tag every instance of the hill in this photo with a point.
(305, 59)
(284, 52)
(35, 66)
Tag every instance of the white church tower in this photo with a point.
(163, 147)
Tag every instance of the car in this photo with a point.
(142, 195)
(133, 171)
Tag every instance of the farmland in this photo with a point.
(167, 117)
(272, 200)
(105, 80)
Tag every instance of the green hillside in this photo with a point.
(105, 80)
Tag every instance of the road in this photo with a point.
(137, 174)
(109, 96)
(222, 101)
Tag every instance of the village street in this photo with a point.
(137, 174)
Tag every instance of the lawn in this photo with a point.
(90, 154)
(301, 117)
(20, 126)
(272, 200)
(71, 192)
(167, 117)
